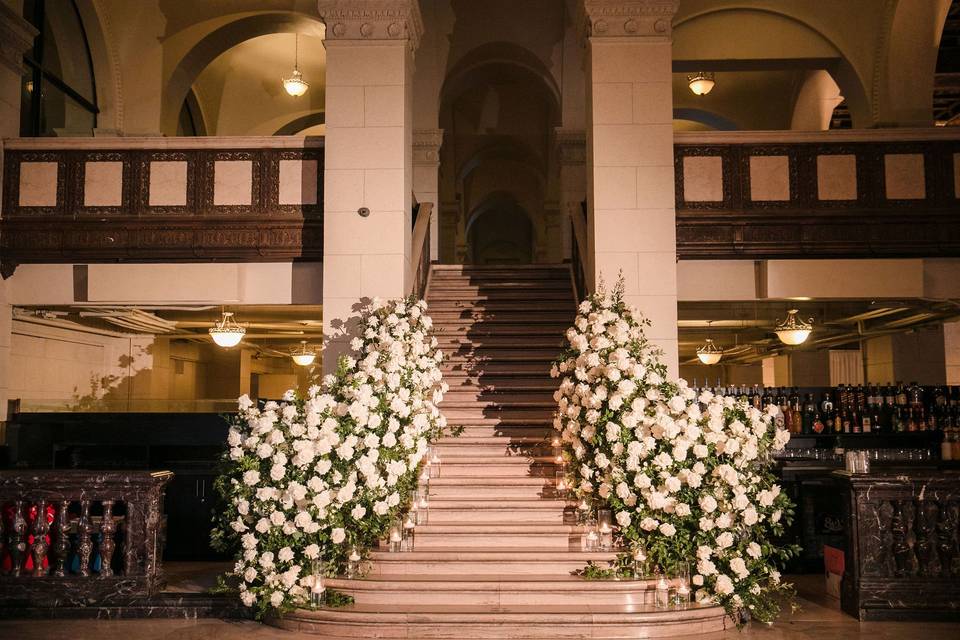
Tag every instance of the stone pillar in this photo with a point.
(368, 157)
(16, 37)
(573, 181)
(426, 178)
(630, 189)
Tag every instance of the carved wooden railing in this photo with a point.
(903, 545)
(843, 194)
(79, 537)
(161, 199)
(420, 257)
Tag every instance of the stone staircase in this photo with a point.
(496, 556)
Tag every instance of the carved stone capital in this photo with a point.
(626, 18)
(16, 37)
(426, 146)
(571, 144)
(372, 20)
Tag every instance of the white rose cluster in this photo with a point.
(679, 471)
(310, 477)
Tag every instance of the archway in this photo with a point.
(498, 111)
(240, 32)
(500, 233)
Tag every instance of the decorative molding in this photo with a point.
(362, 20)
(626, 18)
(571, 144)
(16, 38)
(426, 146)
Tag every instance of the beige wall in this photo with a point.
(951, 343)
(918, 356)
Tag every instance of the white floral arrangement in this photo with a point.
(309, 479)
(687, 477)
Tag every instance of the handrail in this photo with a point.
(420, 253)
(579, 224)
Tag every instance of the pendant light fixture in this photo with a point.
(227, 332)
(793, 331)
(709, 353)
(295, 85)
(701, 83)
(303, 356)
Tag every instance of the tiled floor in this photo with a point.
(818, 619)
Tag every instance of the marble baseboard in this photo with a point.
(187, 606)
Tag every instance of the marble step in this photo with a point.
(501, 446)
(532, 622)
(498, 367)
(466, 383)
(494, 489)
(498, 285)
(457, 395)
(497, 271)
(497, 466)
(513, 306)
(516, 510)
(531, 297)
(505, 344)
(554, 330)
(487, 421)
(492, 535)
(469, 314)
(497, 590)
(509, 431)
(475, 560)
(460, 415)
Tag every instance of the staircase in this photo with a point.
(496, 556)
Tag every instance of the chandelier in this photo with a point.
(227, 332)
(792, 330)
(303, 356)
(701, 83)
(709, 353)
(295, 85)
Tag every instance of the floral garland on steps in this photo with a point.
(688, 478)
(308, 479)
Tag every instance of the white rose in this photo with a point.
(724, 585)
(338, 535)
(667, 529)
(623, 518)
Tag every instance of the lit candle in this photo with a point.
(663, 593)
(317, 585)
(354, 556)
(683, 595)
(556, 442)
(583, 506)
(591, 541)
(316, 590)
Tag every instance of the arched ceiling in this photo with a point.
(240, 92)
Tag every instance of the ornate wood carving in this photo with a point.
(137, 231)
(805, 226)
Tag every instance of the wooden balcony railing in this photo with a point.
(839, 194)
(161, 199)
(79, 537)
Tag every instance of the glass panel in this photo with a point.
(65, 52)
(62, 116)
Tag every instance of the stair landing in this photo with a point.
(496, 557)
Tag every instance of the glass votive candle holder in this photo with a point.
(396, 537)
(561, 484)
(681, 598)
(423, 509)
(353, 562)
(662, 592)
(434, 464)
(605, 528)
(639, 562)
(317, 587)
(409, 526)
(591, 541)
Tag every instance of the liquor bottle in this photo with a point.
(901, 398)
(818, 424)
(696, 389)
(809, 413)
(855, 426)
(757, 398)
(911, 420)
(845, 421)
(889, 396)
(866, 420)
(899, 420)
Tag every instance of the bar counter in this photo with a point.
(902, 551)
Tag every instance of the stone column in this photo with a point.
(426, 178)
(368, 156)
(631, 210)
(16, 37)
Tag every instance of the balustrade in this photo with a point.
(79, 537)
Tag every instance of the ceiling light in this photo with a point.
(303, 356)
(793, 331)
(227, 332)
(295, 85)
(709, 353)
(702, 83)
